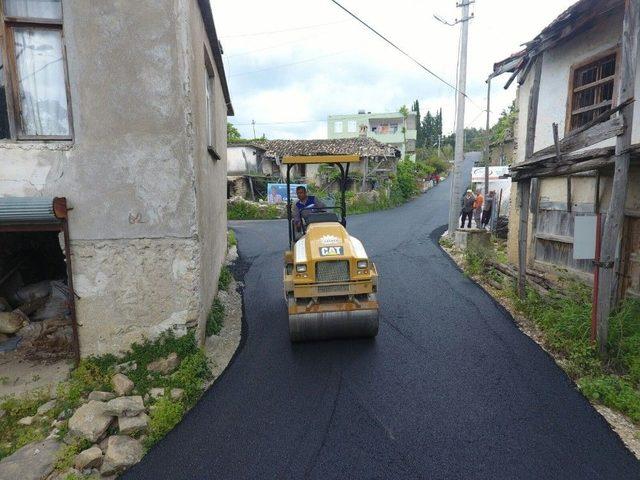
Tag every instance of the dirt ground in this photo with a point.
(19, 376)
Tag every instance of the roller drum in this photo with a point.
(322, 326)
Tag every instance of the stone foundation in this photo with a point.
(131, 289)
(473, 237)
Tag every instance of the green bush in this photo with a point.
(190, 376)
(215, 318)
(165, 415)
(243, 210)
(225, 278)
(614, 392)
(477, 260)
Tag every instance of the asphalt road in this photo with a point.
(450, 388)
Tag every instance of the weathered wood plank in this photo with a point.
(596, 134)
(524, 193)
(613, 228)
(532, 113)
(557, 171)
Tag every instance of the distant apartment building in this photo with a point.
(388, 128)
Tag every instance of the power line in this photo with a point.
(290, 64)
(282, 31)
(278, 123)
(401, 50)
(300, 40)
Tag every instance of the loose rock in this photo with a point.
(165, 366)
(90, 421)
(125, 406)
(26, 421)
(156, 393)
(46, 407)
(177, 393)
(89, 458)
(121, 384)
(101, 396)
(32, 462)
(126, 367)
(133, 425)
(11, 322)
(121, 453)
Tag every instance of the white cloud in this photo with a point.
(353, 68)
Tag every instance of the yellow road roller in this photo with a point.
(330, 283)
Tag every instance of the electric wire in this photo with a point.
(290, 64)
(307, 27)
(401, 50)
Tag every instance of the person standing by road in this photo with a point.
(467, 208)
(477, 208)
(487, 208)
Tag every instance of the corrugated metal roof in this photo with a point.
(26, 210)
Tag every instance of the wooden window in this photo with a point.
(36, 88)
(591, 90)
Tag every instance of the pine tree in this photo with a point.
(420, 132)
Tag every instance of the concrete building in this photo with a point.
(121, 108)
(387, 128)
(570, 75)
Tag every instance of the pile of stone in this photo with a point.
(36, 319)
(114, 422)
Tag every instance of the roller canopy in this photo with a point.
(299, 159)
(32, 210)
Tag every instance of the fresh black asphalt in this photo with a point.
(450, 388)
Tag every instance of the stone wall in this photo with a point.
(129, 289)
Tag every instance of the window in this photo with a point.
(591, 90)
(209, 85)
(352, 126)
(337, 127)
(33, 83)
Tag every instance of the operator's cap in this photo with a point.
(469, 191)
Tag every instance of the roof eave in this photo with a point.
(207, 17)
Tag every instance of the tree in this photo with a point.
(420, 133)
(233, 135)
(506, 124)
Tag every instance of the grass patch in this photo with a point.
(231, 239)
(67, 454)
(244, 210)
(566, 323)
(165, 415)
(14, 436)
(225, 278)
(215, 318)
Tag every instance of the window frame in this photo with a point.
(7, 47)
(209, 105)
(615, 50)
(335, 127)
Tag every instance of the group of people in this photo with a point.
(478, 207)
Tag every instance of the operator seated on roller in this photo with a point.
(304, 207)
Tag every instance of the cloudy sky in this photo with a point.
(290, 63)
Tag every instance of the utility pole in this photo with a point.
(253, 123)
(456, 184)
(487, 146)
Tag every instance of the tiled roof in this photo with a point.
(364, 146)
